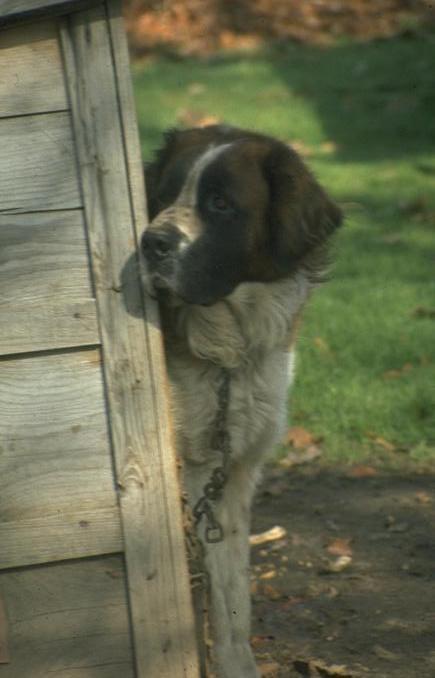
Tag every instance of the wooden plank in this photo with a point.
(160, 602)
(38, 169)
(4, 635)
(36, 327)
(55, 466)
(68, 620)
(46, 298)
(32, 78)
(17, 10)
(53, 537)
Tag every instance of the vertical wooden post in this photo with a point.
(96, 63)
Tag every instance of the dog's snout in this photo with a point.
(158, 243)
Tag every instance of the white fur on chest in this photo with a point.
(256, 408)
(247, 334)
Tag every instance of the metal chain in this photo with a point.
(213, 489)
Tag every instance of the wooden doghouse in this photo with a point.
(93, 575)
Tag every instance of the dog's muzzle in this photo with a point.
(160, 243)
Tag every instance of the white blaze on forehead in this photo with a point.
(187, 196)
(182, 213)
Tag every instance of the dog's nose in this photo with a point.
(160, 242)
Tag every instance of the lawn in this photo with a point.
(364, 118)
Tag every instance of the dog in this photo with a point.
(237, 240)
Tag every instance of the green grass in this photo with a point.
(376, 104)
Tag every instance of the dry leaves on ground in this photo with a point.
(339, 546)
(362, 471)
(273, 534)
(315, 668)
(204, 26)
(304, 447)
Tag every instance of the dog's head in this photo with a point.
(228, 206)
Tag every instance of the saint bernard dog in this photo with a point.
(237, 241)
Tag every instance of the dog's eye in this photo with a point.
(217, 203)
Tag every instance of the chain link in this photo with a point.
(213, 489)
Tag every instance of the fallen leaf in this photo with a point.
(270, 574)
(323, 346)
(381, 442)
(193, 118)
(255, 641)
(299, 438)
(339, 547)
(269, 669)
(301, 147)
(290, 601)
(274, 533)
(301, 457)
(315, 668)
(270, 592)
(383, 653)
(208, 120)
(337, 565)
(423, 497)
(362, 471)
(196, 88)
(328, 147)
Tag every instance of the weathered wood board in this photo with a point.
(143, 453)
(57, 499)
(46, 297)
(38, 156)
(68, 620)
(87, 466)
(31, 58)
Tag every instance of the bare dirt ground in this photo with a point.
(349, 587)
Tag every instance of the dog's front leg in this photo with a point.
(227, 565)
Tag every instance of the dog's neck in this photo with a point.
(255, 319)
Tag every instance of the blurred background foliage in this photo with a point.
(351, 85)
(205, 26)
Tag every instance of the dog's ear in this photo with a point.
(301, 215)
(155, 171)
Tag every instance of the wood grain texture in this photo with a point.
(68, 620)
(17, 10)
(46, 298)
(157, 575)
(4, 634)
(55, 466)
(37, 168)
(31, 70)
(60, 536)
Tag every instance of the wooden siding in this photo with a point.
(32, 78)
(81, 437)
(55, 465)
(46, 298)
(158, 582)
(18, 10)
(68, 620)
(39, 169)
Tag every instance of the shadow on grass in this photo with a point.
(374, 100)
